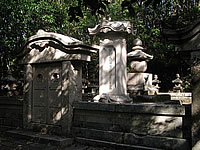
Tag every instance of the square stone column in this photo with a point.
(112, 65)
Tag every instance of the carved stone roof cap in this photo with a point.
(68, 44)
(67, 40)
(107, 26)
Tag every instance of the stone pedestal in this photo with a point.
(112, 59)
(139, 81)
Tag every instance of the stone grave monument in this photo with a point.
(53, 74)
(139, 81)
(112, 60)
(149, 122)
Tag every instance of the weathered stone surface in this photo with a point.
(61, 142)
(152, 108)
(112, 59)
(157, 142)
(159, 99)
(139, 81)
(111, 26)
(145, 121)
(112, 145)
(187, 43)
(51, 47)
(109, 136)
(11, 112)
(138, 66)
(53, 80)
(133, 123)
(195, 111)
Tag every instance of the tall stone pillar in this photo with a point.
(112, 59)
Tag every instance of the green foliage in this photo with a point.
(21, 19)
(149, 18)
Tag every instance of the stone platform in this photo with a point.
(132, 126)
(35, 137)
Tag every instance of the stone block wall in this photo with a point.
(162, 126)
(11, 112)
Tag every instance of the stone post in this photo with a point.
(27, 115)
(112, 59)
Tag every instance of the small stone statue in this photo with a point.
(154, 89)
(177, 88)
(155, 81)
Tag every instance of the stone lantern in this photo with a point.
(177, 88)
(138, 80)
(9, 84)
(155, 83)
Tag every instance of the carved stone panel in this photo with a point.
(39, 93)
(112, 66)
(47, 93)
(54, 93)
(108, 70)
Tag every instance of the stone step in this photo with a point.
(148, 141)
(4, 128)
(53, 140)
(15, 145)
(111, 145)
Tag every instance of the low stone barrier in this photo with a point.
(162, 126)
(11, 112)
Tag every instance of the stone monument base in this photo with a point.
(139, 82)
(112, 98)
(134, 126)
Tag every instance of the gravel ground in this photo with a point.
(8, 143)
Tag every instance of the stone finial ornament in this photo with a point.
(137, 42)
(177, 88)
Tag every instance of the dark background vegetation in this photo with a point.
(21, 19)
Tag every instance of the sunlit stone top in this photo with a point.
(50, 46)
(137, 53)
(137, 42)
(106, 26)
(67, 40)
